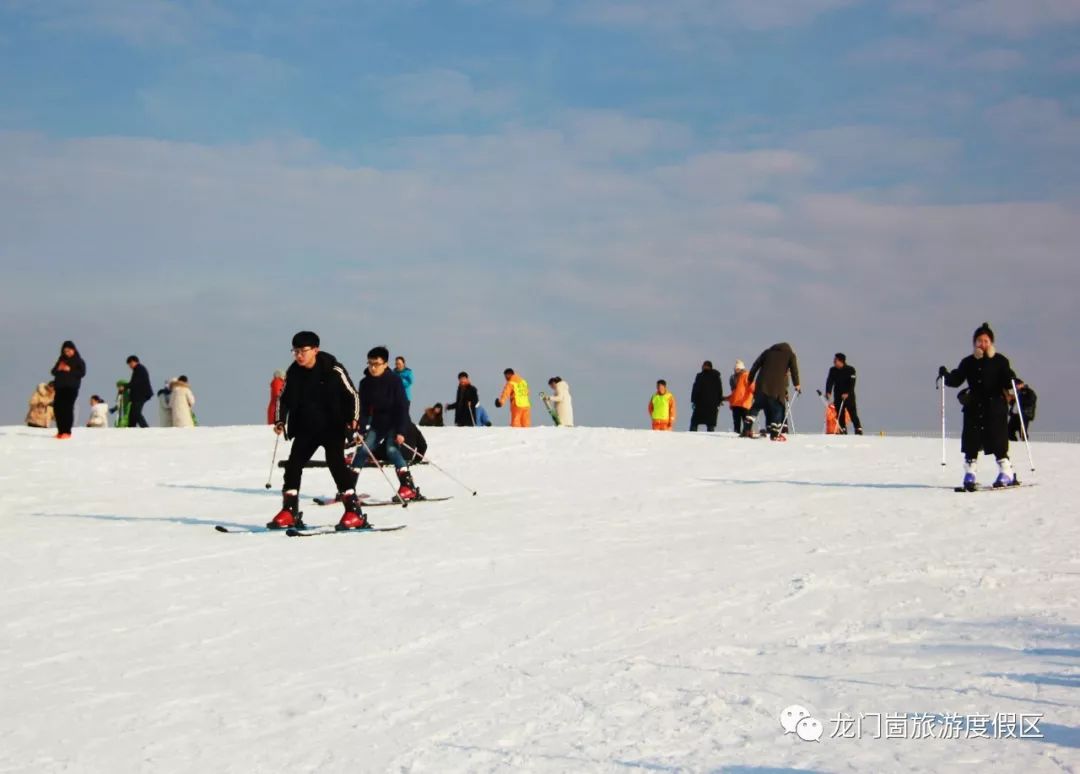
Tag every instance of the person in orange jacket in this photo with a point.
(275, 390)
(517, 392)
(662, 407)
(742, 395)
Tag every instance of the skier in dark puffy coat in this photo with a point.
(705, 398)
(769, 376)
(68, 374)
(465, 402)
(989, 378)
(316, 408)
(1027, 408)
(384, 410)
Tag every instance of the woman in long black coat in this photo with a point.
(989, 378)
(68, 374)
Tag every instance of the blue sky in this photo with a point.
(611, 191)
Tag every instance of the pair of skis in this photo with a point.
(305, 531)
(550, 409)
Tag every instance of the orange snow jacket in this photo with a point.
(742, 394)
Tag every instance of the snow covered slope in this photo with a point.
(612, 600)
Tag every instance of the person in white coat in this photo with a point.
(560, 398)
(181, 402)
(99, 412)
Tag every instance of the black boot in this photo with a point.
(407, 489)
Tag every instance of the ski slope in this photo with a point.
(611, 601)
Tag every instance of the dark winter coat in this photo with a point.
(71, 379)
(841, 381)
(769, 373)
(432, 418)
(708, 391)
(383, 405)
(139, 389)
(464, 406)
(318, 400)
(986, 409)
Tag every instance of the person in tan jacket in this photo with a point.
(41, 405)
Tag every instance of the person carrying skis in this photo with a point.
(989, 378)
(385, 412)
(68, 374)
(742, 395)
(517, 392)
(316, 408)
(705, 398)
(465, 402)
(662, 407)
(560, 397)
(840, 389)
(770, 391)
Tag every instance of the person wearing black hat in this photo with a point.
(989, 378)
(840, 389)
(316, 408)
(68, 374)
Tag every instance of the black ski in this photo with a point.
(361, 496)
(316, 531)
(1017, 485)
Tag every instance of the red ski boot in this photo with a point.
(407, 489)
(354, 517)
(289, 515)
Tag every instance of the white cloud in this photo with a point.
(713, 14)
(442, 94)
(1006, 18)
(1034, 121)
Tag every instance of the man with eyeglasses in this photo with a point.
(385, 410)
(316, 408)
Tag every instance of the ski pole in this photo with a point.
(840, 417)
(441, 470)
(375, 462)
(825, 403)
(940, 385)
(789, 415)
(1023, 427)
(472, 414)
(277, 440)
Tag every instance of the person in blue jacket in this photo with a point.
(406, 375)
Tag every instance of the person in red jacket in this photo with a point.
(275, 390)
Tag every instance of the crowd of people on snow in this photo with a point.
(997, 406)
(54, 401)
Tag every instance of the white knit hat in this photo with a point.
(740, 365)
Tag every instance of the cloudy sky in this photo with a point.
(608, 190)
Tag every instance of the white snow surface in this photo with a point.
(611, 600)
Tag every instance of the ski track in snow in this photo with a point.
(612, 600)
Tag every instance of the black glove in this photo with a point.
(498, 403)
(942, 372)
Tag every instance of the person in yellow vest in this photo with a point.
(662, 407)
(517, 392)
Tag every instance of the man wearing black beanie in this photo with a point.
(316, 408)
(840, 389)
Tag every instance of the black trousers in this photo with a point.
(737, 414)
(304, 447)
(774, 412)
(64, 408)
(849, 407)
(1014, 427)
(703, 416)
(135, 417)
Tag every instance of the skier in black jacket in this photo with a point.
(138, 391)
(1027, 408)
(705, 398)
(465, 403)
(317, 407)
(68, 374)
(840, 389)
(385, 412)
(989, 377)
